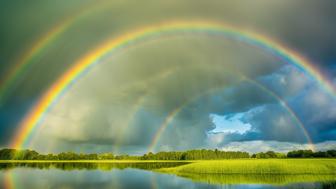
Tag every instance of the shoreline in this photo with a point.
(162, 161)
(95, 161)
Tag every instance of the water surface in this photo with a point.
(141, 175)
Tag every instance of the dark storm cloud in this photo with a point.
(313, 107)
(311, 30)
(317, 111)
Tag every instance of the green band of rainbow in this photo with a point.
(34, 117)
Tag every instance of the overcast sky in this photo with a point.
(120, 104)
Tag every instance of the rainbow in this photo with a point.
(171, 116)
(36, 114)
(8, 180)
(27, 59)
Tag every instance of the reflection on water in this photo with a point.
(91, 166)
(139, 175)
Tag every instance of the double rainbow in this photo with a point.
(27, 59)
(36, 114)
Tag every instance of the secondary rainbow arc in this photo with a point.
(27, 58)
(35, 116)
(175, 112)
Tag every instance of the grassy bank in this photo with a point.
(258, 166)
(258, 171)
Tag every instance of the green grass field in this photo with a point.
(259, 166)
(258, 171)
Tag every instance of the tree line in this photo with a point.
(311, 154)
(195, 155)
(13, 154)
(297, 154)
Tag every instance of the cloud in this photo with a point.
(287, 81)
(284, 147)
(304, 106)
(316, 98)
(268, 122)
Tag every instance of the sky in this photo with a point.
(192, 83)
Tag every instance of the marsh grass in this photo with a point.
(257, 171)
(259, 166)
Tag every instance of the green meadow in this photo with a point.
(257, 171)
(258, 166)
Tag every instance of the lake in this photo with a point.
(138, 175)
